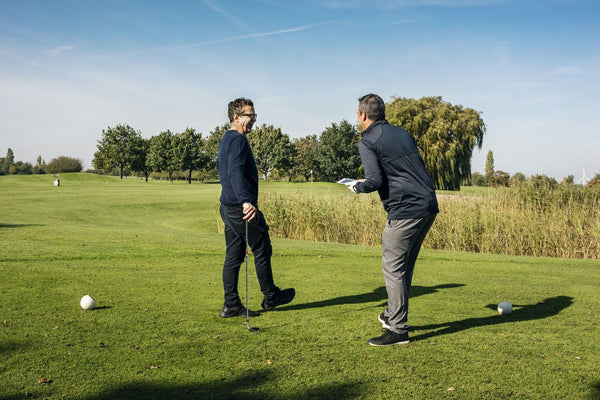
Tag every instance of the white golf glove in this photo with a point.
(352, 186)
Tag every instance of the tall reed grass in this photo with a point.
(563, 222)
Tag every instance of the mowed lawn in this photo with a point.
(150, 254)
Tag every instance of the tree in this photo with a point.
(305, 159)
(517, 179)
(40, 166)
(9, 161)
(446, 135)
(477, 179)
(272, 149)
(211, 145)
(21, 168)
(116, 149)
(499, 178)
(489, 167)
(189, 151)
(162, 155)
(140, 148)
(337, 152)
(64, 164)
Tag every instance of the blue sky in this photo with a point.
(69, 69)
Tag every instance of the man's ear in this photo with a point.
(362, 116)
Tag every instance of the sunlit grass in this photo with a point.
(151, 255)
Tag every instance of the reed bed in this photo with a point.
(563, 222)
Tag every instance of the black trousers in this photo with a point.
(235, 239)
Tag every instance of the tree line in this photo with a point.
(446, 135)
(8, 165)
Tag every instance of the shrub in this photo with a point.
(64, 164)
(532, 220)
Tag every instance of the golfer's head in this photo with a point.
(371, 108)
(241, 114)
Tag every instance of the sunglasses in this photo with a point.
(253, 116)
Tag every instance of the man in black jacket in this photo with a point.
(394, 167)
(239, 205)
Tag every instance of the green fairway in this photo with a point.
(150, 254)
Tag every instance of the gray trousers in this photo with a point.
(401, 243)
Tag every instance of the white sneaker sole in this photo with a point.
(391, 344)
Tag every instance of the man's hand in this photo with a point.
(352, 185)
(249, 211)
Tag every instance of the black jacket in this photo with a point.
(237, 170)
(394, 167)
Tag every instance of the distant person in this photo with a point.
(239, 203)
(394, 167)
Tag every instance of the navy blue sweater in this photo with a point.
(237, 170)
(394, 167)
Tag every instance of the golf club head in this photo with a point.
(250, 328)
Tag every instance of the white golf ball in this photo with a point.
(87, 302)
(505, 307)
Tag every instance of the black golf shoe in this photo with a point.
(389, 338)
(282, 297)
(237, 311)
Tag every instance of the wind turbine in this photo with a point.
(584, 180)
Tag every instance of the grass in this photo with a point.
(522, 221)
(151, 256)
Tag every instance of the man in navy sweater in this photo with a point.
(239, 204)
(394, 167)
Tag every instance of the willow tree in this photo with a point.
(446, 135)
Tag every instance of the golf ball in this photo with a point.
(87, 302)
(505, 307)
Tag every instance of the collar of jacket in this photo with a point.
(373, 125)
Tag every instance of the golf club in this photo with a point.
(251, 329)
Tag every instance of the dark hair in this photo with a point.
(373, 105)
(235, 106)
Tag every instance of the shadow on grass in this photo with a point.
(378, 294)
(100, 308)
(12, 347)
(595, 391)
(18, 225)
(251, 385)
(544, 309)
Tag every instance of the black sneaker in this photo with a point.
(385, 322)
(237, 311)
(389, 338)
(282, 297)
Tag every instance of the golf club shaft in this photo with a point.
(247, 312)
(251, 329)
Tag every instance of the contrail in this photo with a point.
(251, 36)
